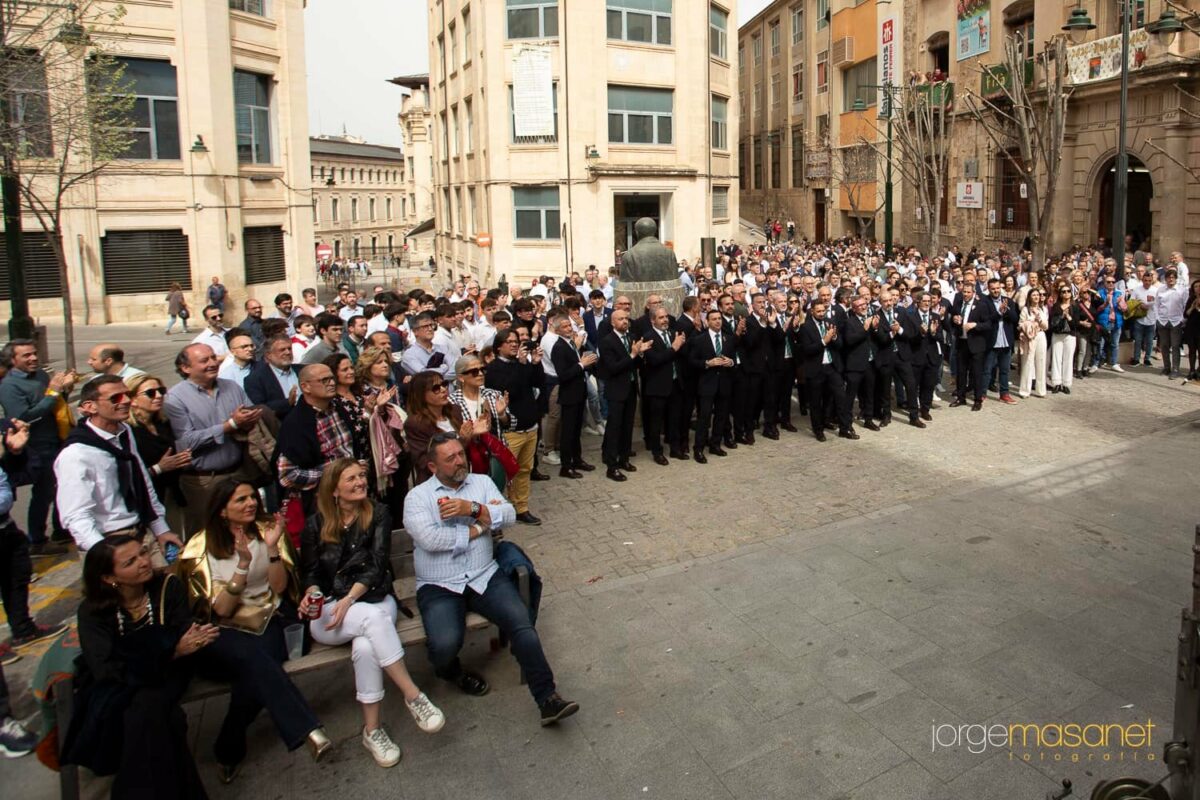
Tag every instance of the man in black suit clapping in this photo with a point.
(822, 372)
(572, 393)
(661, 387)
(710, 356)
(619, 354)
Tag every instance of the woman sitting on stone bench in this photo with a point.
(346, 554)
(242, 577)
(138, 642)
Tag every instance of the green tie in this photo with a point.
(719, 344)
(625, 341)
(667, 342)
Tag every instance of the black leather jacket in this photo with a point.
(360, 557)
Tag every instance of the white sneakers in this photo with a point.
(387, 753)
(381, 747)
(1116, 368)
(429, 717)
(552, 458)
(588, 429)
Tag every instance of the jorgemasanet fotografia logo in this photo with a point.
(1051, 741)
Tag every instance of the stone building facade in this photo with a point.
(360, 206)
(214, 185)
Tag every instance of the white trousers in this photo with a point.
(1062, 359)
(371, 628)
(1033, 367)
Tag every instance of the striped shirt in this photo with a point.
(336, 441)
(445, 554)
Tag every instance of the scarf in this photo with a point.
(134, 491)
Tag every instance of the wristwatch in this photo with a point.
(476, 509)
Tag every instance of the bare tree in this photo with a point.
(69, 114)
(922, 130)
(1026, 121)
(855, 169)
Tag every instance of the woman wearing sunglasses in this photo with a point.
(156, 445)
(429, 412)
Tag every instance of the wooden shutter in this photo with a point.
(41, 267)
(141, 262)
(264, 254)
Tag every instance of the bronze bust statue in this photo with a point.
(648, 260)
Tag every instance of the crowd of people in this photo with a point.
(212, 509)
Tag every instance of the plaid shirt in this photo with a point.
(487, 400)
(336, 441)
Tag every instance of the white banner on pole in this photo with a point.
(889, 63)
(533, 92)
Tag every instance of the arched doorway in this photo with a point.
(1138, 218)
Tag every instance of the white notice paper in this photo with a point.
(533, 92)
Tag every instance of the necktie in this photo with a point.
(717, 343)
(625, 342)
(667, 342)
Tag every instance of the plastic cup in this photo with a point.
(294, 636)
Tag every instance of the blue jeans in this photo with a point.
(1106, 348)
(1143, 341)
(444, 614)
(998, 358)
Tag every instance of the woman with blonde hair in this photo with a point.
(1033, 324)
(346, 554)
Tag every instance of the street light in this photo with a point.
(1079, 24)
(1166, 27)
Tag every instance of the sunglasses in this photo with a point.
(117, 399)
(439, 387)
(473, 371)
(153, 393)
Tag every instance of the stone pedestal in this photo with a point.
(671, 292)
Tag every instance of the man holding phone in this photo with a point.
(421, 355)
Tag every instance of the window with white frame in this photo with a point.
(757, 105)
(453, 47)
(155, 112)
(437, 68)
(741, 60)
(775, 45)
(252, 112)
(371, 209)
(470, 211)
(823, 72)
(720, 123)
(637, 115)
(466, 23)
(333, 209)
(458, 211)
(797, 24)
(258, 7)
(776, 90)
(720, 203)
(858, 83)
(387, 207)
(757, 45)
(512, 124)
(822, 13)
(640, 21)
(454, 130)
(718, 32)
(797, 83)
(535, 212)
(532, 19)
(354, 209)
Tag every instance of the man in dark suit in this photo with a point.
(893, 359)
(734, 327)
(857, 354)
(638, 328)
(754, 347)
(571, 369)
(925, 351)
(596, 314)
(973, 321)
(274, 382)
(619, 355)
(782, 379)
(689, 323)
(1003, 339)
(661, 388)
(817, 340)
(709, 354)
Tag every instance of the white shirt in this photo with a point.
(547, 345)
(1169, 304)
(377, 324)
(298, 350)
(1181, 269)
(214, 340)
(287, 379)
(1147, 297)
(89, 492)
(257, 581)
(230, 371)
(445, 343)
(483, 334)
(346, 312)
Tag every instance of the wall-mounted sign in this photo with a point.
(969, 194)
(974, 28)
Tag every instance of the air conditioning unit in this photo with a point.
(842, 52)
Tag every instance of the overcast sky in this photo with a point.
(354, 46)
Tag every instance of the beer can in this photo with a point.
(316, 601)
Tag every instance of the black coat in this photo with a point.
(683, 361)
(572, 378)
(883, 340)
(360, 556)
(754, 346)
(855, 344)
(519, 380)
(617, 367)
(812, 348)
(712, 380)
(1009, 320)
(983, 314)
(657, 363)
(924, 348)
(263, 389)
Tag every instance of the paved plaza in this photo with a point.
(793, 620)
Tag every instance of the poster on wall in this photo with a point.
(974, 28)
(533, 92)
(969, 194)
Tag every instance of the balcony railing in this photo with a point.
(940, 93)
